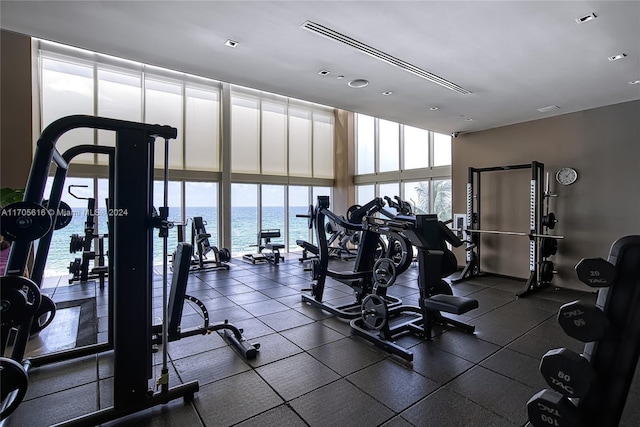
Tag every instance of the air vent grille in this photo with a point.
(378, 54)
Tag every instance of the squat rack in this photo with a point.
(537, 278)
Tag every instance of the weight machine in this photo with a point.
(541, 245)
(131, 334)
(200, 241)
(359, 278)
(79, 267)
(264, 242)
(383, 325)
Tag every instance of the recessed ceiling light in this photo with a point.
(324, 72)
(433, 108)
(616, 57)
(634, 82)
(468, 120)
(231, 43)
(549, 108)
(586, 18)
(340, 77)
(358, 83)
(387, 93)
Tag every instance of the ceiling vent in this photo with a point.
(549, 108)
(382, 56)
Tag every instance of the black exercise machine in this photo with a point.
(267, 252)
(200, 241)
(360, 278)
(80, 267)
(383, 325)
(131, 224)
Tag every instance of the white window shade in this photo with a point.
(389, 146)
(163, 106)
(245, 134)
(299, 142)
(322, 145)
(365, 144)
(441, 149)
(274, 138)
(416, 148)
(202, 129)
(67, 89)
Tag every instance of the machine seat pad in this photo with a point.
(273, 246)
(450, 304)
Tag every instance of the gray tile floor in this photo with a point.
(311, 370)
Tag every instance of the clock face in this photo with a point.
(566, 176)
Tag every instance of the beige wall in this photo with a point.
(15, 109)
(603, 144)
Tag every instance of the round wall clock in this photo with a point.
(566, 176)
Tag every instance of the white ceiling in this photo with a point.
(514, 56)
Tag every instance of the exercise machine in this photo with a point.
(268, 252)
(80, 267)
(360, 278)
(200, 241)
(383, 325)
(130, 286)
(541, 244)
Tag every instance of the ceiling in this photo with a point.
(513, 56)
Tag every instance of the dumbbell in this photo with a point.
(567, 372)
(549, 408)
(596, 272)
(583, 321)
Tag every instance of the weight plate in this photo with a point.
(24, 221)
(328, 228)
(44, 315)
(20, 299)
(374, 312)
(351, 211)
(549, 220)
(76, 244)
(225, 255)
(314, 269)
(583, 321)
(548, 246)
(310, 218)
(546, 271)
(384, 272)
(64, 217)
(13, 378)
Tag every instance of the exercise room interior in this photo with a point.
(319, 213)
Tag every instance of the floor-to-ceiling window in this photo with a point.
(280, 149)
(414, 164)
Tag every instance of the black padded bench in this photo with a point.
(452, 304)
(273, 256)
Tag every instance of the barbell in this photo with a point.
(509, 233)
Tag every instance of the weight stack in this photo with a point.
(591, 389)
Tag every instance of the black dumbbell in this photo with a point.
(596, 272)
(567, 372)
(549, 408)
(582, 321)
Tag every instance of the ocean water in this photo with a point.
(244, 231)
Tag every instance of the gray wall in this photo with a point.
(603, 144)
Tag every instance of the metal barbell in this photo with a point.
(509, 233)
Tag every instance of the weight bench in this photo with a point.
(273, 256)
(306, 248)
(437, 304)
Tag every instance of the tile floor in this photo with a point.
(311, 370)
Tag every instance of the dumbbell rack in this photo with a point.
(612, 359)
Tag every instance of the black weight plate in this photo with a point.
(548, 246)
(310, 218)
(76, 244)
(351, 211)
(546, 271)
(13, 378)
(47, 308)
(374, 312)
(64, 217)
(20, 299)
(384, 272)
(225, 255)
(549, 220)
(583, 321)
(24, 221)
